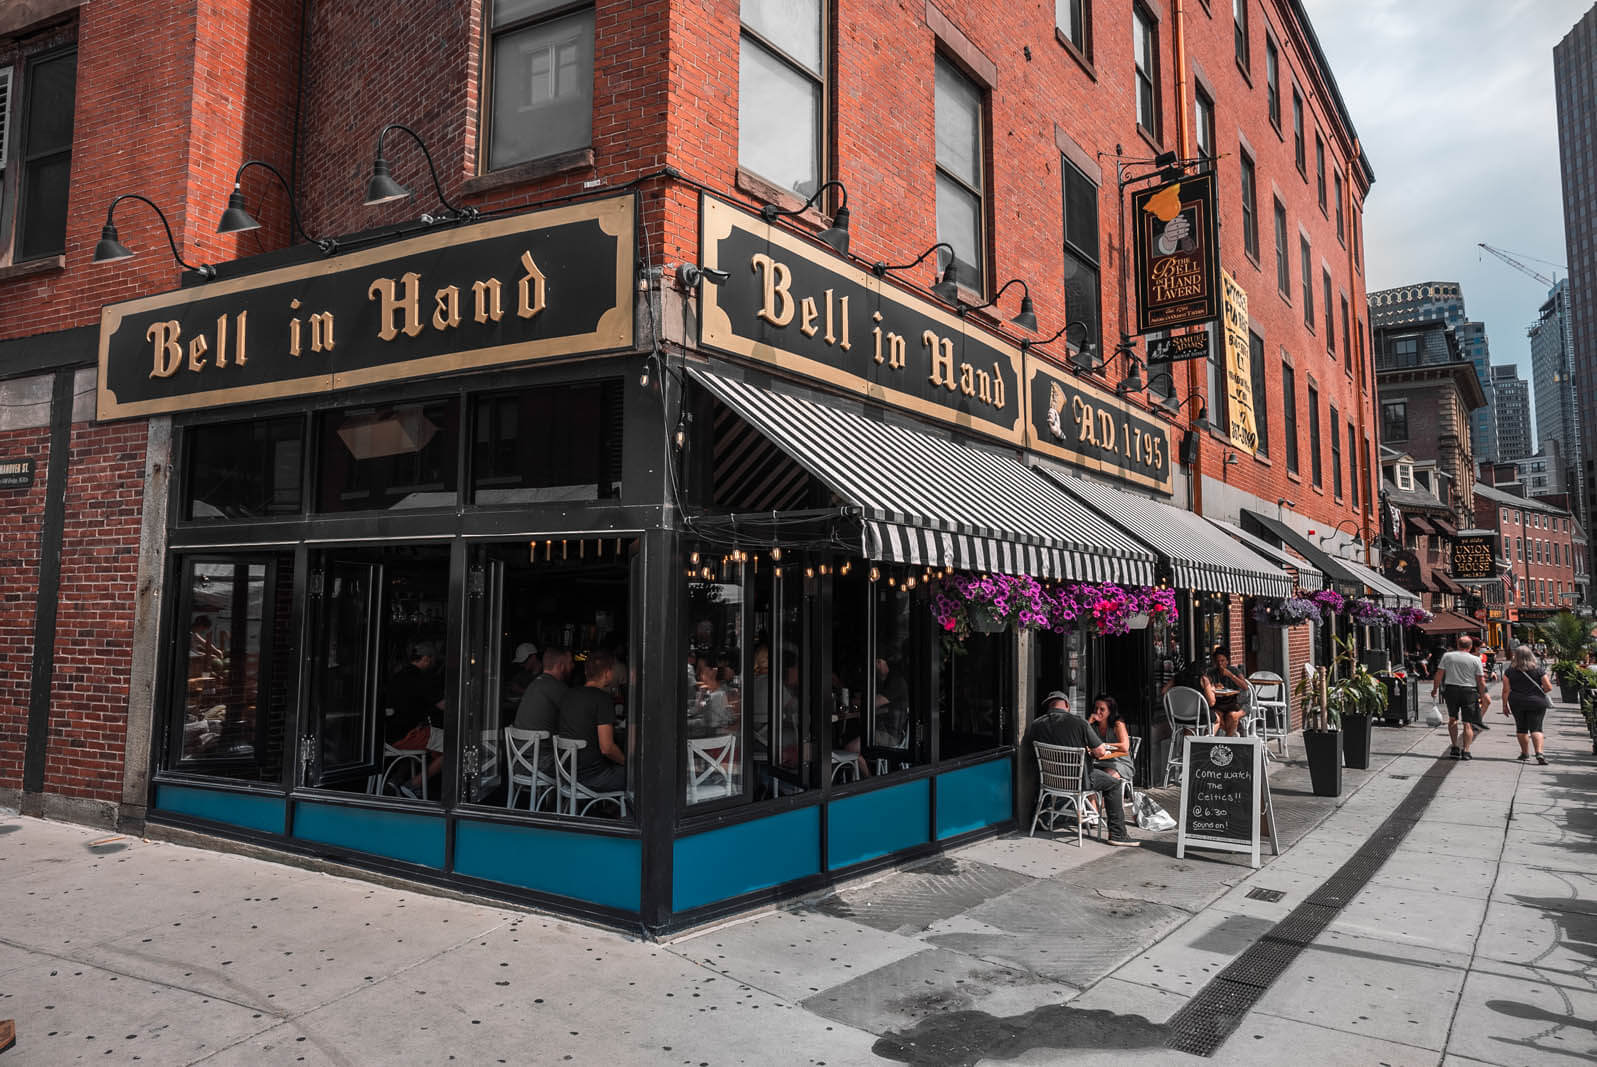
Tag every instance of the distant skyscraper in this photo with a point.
(1552, 362)
(1483, 423)
(1512, 404)
(1574, 68)
(1420, 302)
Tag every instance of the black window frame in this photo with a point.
(1261, 402)
(485, 120)
(1319, 171)
(1239, 26)
(1306, 273)
(1203, 119)
(1272, 81)
(1283, 251)
(1394, 417)
(983, 199)
(1347, 337)
(1328, 291)
(1250, 205)
(1353, 462)
(19, 157)
(1144, 19)
(1081, 38)
(1077, 253)
(1341, 211)
(1289, 414)
(1336, 453)
(1316, 460)
(823, 133)
(1299, 150)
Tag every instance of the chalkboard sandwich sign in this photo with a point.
(1224, 793)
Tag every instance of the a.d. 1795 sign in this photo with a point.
(1087, 427)
(1474, 557)
(794, 306)
(541, 285)
(1177, 254)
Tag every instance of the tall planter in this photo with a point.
(1356, 731)
(1324, 749)
(1568, 690)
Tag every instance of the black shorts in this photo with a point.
(1528, 720)
(1463, 701)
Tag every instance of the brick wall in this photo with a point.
(20, 521)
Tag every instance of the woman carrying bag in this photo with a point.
(1525, 689)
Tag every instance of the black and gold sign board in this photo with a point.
(1088, 427)
(800, 308)
(1474, 557)
(1177, 254)
(16, 473)
(1403, 567)
(1225, 797)
(546, 284)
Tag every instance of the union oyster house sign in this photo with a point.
(543, 285)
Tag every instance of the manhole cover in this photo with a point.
(1271, 895)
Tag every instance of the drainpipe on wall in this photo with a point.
(1178, 50)
(1372, 505)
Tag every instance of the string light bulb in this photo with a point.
(776, 553)
(876, 574)
(694, 559)
(809, 572)
(778, 572)
(909, 583)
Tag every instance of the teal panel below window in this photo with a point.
(399, 835)
(867, 825)
(973, 797)
(249, 810)
(599, 869)
(739, 859)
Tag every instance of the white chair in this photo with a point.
(843, 759)
(488, 760)
(1061, 788)
(1128, 792)
(572, 790)
(523, 759)
(712, 765)
(1188, 713)
(414, 758)
(1271, 690)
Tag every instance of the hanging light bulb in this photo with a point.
(892, 582)
(909, 583)
(776, 553)
(694, 559)
(876, 574)
(809, 572)
(778, 572)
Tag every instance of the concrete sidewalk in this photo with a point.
(1475, 940)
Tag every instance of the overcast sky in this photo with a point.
(1453, 101)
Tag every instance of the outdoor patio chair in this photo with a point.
(1271, 690)
(1062, 787)
(1188, 713)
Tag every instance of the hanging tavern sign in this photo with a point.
(542, 285)
(1177, 262)
(1474, 557)
(807, 311)
(1091, 428)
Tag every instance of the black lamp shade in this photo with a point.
(235, 219)
(1132, 382)
(108, 248)
(1085, 357)
(1027, 319)
(837, 234)
(947, 290)
(382, 188)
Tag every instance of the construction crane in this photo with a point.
(1517, 265)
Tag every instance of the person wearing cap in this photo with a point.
(528, 665)
(541, 703)
(1058, 726)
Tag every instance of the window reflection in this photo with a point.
(849, 698)
(714, 713)
(395, 457)
(560, 442)
(240, 470)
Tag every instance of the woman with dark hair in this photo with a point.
(1228, 707)
(1105, 718)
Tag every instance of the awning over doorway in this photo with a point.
(927, 500)
(1342, 571)
(1446, 584)
(1310, 577)
(1451, 622)
(1200, 556)
(1419, 524)
(1445, 528)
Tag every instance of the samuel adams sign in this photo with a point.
(541, 285)
(802, 309)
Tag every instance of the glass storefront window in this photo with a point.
(399, 456)
(243, 470)
(848, 698)
(978, 707)
(713, 717)
(230, 698)
(560, 442)
(900, 720)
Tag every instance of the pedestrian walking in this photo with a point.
(1525, 689)
(1462, 680)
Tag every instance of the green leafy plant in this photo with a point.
(1345, 688)
(1567, 671)
(1568, 639)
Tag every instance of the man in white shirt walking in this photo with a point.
(1462, 680)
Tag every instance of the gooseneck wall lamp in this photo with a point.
(1087, 351)
(1358, 538)
(1168, 405)
(947, 289)
(237, 219)
(110, 246)
(1026, 320)
(383, 189)
(836, 234)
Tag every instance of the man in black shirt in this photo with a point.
(588, 713)
(1057, 726)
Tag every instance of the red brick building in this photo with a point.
(994, 128)
(1538, 546)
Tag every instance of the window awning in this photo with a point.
(1445, 528)
(929, 501)
(1200, 556)
(1419, 524)
(1445, 584)
(1450, 622)
(1310, 577)
(1344, 572)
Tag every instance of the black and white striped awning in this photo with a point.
(929, 501)
(1200, 556)
(1351, 576)
(1310, 577)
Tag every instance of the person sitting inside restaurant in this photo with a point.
(526, 666)
(1226, 689)
(1057, 726)
(539, 708)
(1191, 676)
(588, 713)
(417, 695)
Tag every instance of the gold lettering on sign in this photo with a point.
(393, 306)
(1106, 429)
(490, 306)
(322, 332)
(829, 337)
(776, 281)
(446, 311)
(941, 351)
(808, 313)
(843, 311)
(998, 386)
(530, 289)
(168, 353)
(967, 379)
(293, 330)
(197, 349)
(239, 355)
(221, 340)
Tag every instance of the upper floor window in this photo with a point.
(1203, 107)
(961, 215)
(1283, 265)
(1250, 209)
(1289, 415)
(1081, 250)
(1319, 170)
(1239, 22)
(1308, 282)
(1347, 338)
(1394, 427)
(1145, 48)
(1330, 314)
(1074, 20)
(36, 152)
(1261, 406)
(1406, 351)
(782, 93)
(1316, 472)
(1298, 152)
(1272, 81)
(541, 53)
(1336, 453)
(1341, 213)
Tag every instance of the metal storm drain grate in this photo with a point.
(1400, 777)
(1204, 1023)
